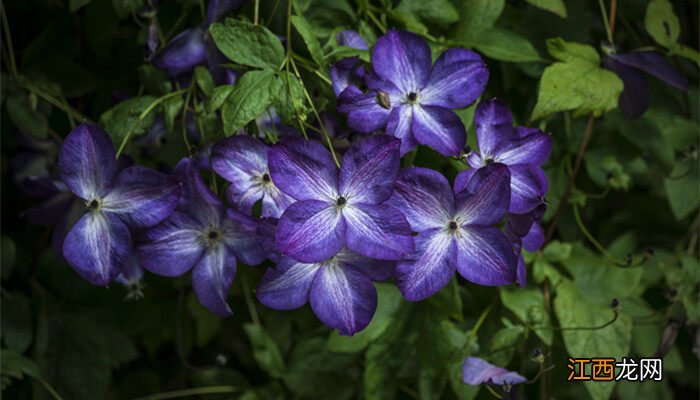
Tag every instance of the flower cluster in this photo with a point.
(330, 226)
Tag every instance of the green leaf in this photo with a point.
(528, 306)
(304, 29)
(265, 350)
(26, 117)
(565, 51)
(18, 328)
(505, 338)
(313, 372)
(605, 169)
(15, 365)
(434, 11)
(662, 23)
(218, 97)
(248, 44)
(8, 255)
(504, 45)
(388, 301)
(476, 18)
(80, 357)
(250, 97)
(600, 280)
(171, 108)
(155, 80)
(123, 117)
(206, 324)
(289, 99)
(683, 188)
(573, 309)
(204, 80)
(554, 6)
(124, 8)
(687, 52)
(557, 251)
(578, 83)
(75, 5)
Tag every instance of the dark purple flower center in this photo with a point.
(93, 205)
(266, 178)
(412, 97)
(213, 235)
(488, 160)
(341, 201)
(452, 226)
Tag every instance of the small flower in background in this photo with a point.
(351, 70)
(634, 99)
(116, 200)
(522, 149)
(337, 209)
(456, 231)
(192, 47)
(339, 289)
(203, 236)
(351, 39)
(242, 160)
(476, 371)
(131, 278)
(412, 99)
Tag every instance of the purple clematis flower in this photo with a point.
(339, 289)
(456, 231)
(115, 201)
(192, 47)
(412, 99)
(634, 99)
(337, 209)
(351, 39)
(351, 70)
(476, 371)
(201, 235)
(242, 160)
(522, 149)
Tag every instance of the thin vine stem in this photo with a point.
(591, 238)
(176, 394)
(143, 116)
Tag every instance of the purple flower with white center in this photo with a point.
(634, 99)
(339, 289)
(242, 160)
(202, 236)
(115, 201)
(476, 371)
(456, 231)
(412, 99)
(522, 149)
(337, 209)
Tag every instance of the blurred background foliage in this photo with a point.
(626, 229)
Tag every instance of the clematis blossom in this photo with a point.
(522, 149)
(476, 371)
(193, 47)
(413, 98)
(339, 289)
(336, 209)
(456, 231)
(242, 160)
(634, 99)
(203, 236)
(115, 200)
